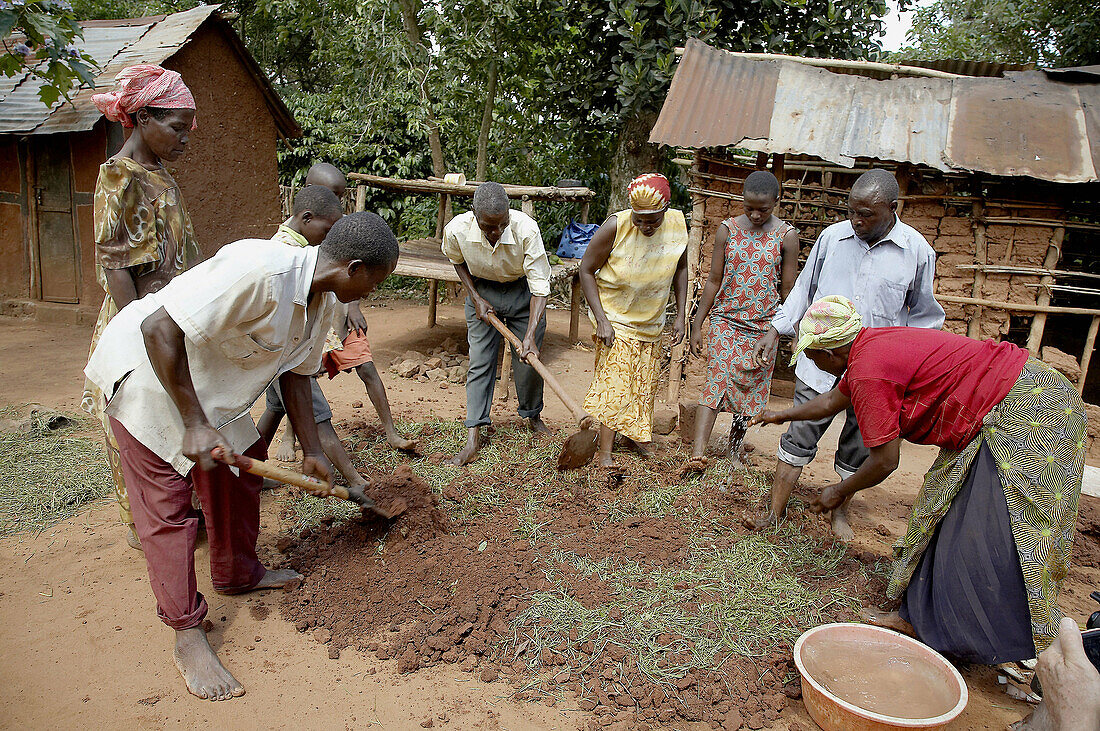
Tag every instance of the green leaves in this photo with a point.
(39, 37)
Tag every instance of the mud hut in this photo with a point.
(50, 157)
(997, 166)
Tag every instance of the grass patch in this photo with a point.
(743, 599)
(48, 475)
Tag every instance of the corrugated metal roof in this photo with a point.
(116, 44)
(970, 68)
(1025, 123)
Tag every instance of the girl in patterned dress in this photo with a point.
(754, 265)
(143, 235)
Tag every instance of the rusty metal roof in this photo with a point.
(116, 44)
(1025, 123)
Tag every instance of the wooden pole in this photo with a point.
(778, 161)
(981, 256)
(1015, 306)
(527, 206)
(575, 309)
(1086, 354)
(433, 295)
(360, 197)
(535, 192)
(505, 370)
(584, 212)
(1039, 322)
(695, 239)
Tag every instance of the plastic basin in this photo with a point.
(832, 713)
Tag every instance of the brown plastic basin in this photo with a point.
(832, 713)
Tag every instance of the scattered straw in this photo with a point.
(48, 475)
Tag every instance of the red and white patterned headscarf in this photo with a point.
(649, 193)
(144, 85)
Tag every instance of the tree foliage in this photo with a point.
(39, 36)
(1050, 33)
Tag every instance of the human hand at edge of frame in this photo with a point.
(828, 499)
(604, 332)
(318, 467)
(355, 321)
(763, 353)
(529, 348)
(482, 309)
(678, 329)
(1071, 686)
(695, 344)
(199, 443)
(767, 417)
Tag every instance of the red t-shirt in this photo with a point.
(928, 386)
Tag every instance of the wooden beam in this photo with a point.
(360, 197)
(1086, 354)
(1039, 322)
(527, 206)
(575, 309)
(547, 193)
(433, 296)
(1016, 307)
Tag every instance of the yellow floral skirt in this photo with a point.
(624, 387)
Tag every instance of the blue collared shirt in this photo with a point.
(889, 283)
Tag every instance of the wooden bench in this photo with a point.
(423, 258)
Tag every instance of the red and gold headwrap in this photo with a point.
(144, 85)
(649, 193)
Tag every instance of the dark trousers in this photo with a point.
(798, 445)
(160, 499)
(512, 303)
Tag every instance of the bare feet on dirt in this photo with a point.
(201, 669)
(401, 443)
(537, 425)
(132, 539)
(889, 620)
(694, 466)
(274, 579)
(286, 451)
(645, 450)
(841, 529)
(761, 521)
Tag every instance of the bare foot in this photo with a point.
(201, 669)
(889, 620)
(841, 529)
(473, 445)
(537, 425)
(399, 442)
(274, 579)
(761, 521)
(697, 465)
(607, 462)
(286, 451)
(132, 539)
(645, 450)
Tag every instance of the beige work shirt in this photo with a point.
(247, 318)
(519, 253)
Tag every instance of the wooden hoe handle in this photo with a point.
(582, 417)
(261, 468)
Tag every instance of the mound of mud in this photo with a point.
(444, 584)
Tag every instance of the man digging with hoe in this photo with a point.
(180, 369)
(500, 259)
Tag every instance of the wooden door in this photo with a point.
(57, 258)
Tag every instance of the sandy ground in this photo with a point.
(83, 647)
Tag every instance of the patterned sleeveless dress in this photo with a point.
(742, 312)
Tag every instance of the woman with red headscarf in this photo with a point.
(633, 260)
(143, 235)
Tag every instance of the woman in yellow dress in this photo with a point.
(143, 235)
(633, 260)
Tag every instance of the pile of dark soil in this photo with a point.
(622, 599)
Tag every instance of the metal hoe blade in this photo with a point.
(578, 450)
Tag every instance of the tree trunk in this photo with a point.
(415, 37)
(486, 123)
(634, 155)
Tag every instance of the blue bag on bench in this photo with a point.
(575, 238)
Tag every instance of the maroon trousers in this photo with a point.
(160, 500)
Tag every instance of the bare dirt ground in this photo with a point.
(83, 647)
